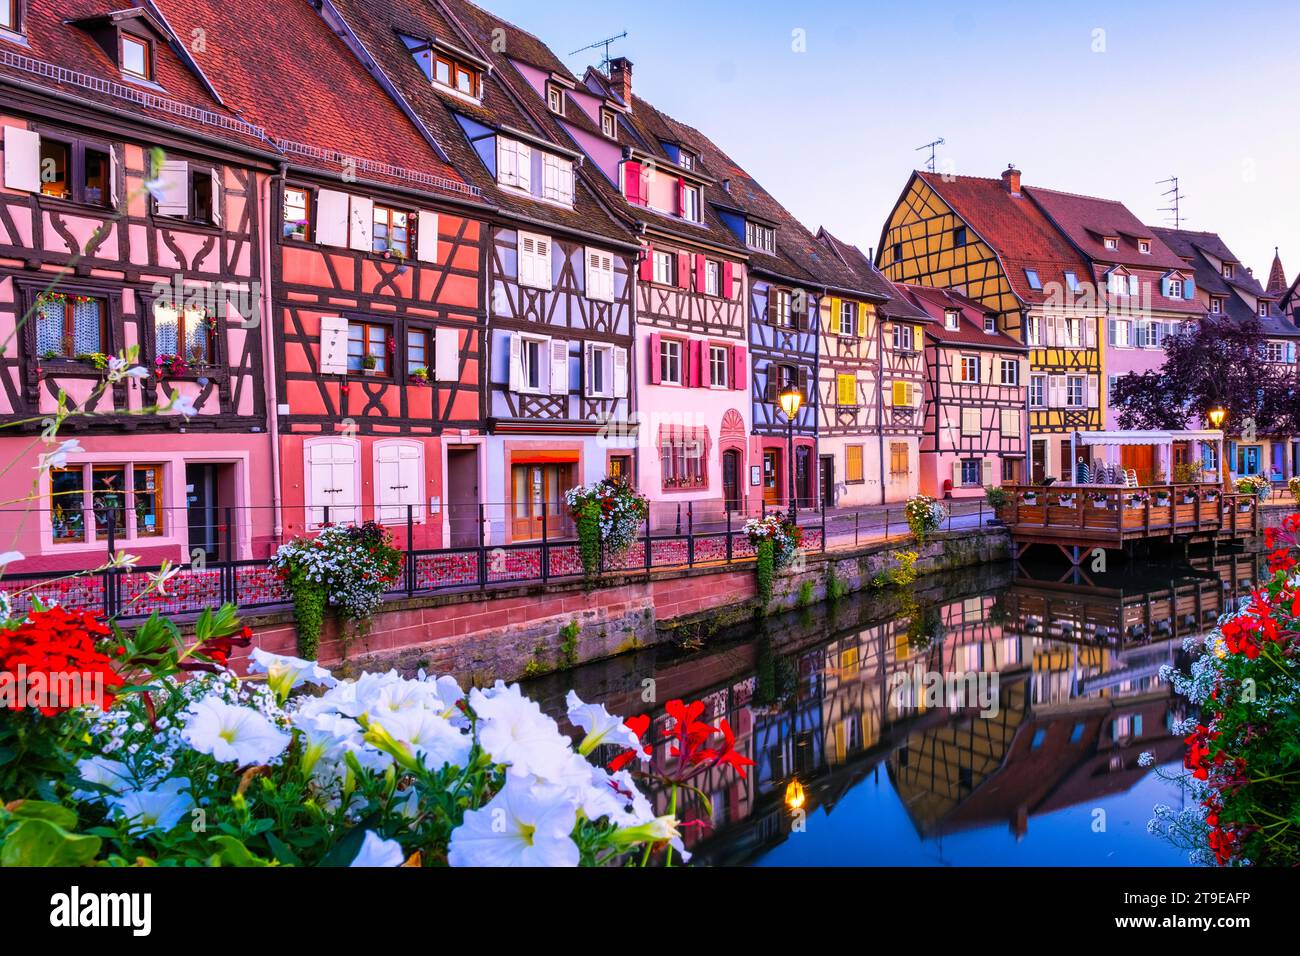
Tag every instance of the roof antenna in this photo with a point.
(604, 63)
(1176, 209)
(931, 148)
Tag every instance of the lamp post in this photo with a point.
(1217, 415)
(791, 401)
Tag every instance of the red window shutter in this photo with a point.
(696, 376)
(700, 284)
(648, 265)
(727, 283)
(681, 196)
(653, 354)
(632, 183)
(684, 270)
(739, 367)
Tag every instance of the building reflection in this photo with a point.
(1073, 697)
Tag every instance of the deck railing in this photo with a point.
(1126, 513)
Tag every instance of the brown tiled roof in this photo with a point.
(936, 303)
(897, 305)
(1087, 220)
(377, 23)
(1277, 283)
(1015, 228)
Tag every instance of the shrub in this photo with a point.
(996, 497)
(924, 517)
(1256, 485)
(608, 515)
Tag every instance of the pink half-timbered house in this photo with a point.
(375, 248)
(128, 225)
(976, 429)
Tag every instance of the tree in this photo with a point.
(1208, 362)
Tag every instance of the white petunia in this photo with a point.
(514, 731)
(284, 673)
(431, 737)
(158, 809)
(601, 727)
(232, 734)
(376, 851)
(112, 774)
(523, 825)
(59, 457)
(182, 405)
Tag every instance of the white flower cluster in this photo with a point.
(621, 512)
(381, 721)
(779, 530)
(925, 514)
(337, 559)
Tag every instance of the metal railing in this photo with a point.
(478, 558)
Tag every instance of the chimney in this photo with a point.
(620, 75)
(1011, 180)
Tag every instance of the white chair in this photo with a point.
(1130, 478)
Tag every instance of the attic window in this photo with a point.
(1144, 246)
(959, 236)
(1263, 309)
(1216, 306)
(608, 124)
(1227, 270)
(991, 324)
(136, 57)
(555, 99)
(1111, 242)
(1031, 276)
(444, 69)
(1072, 282)
(951, 318)
(686, 159)
(758, 236)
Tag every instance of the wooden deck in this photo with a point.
(1078, 519)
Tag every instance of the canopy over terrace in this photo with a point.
(1149, 454)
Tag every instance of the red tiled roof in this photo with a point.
(1087, 220)
(970, 327)
(1015, 228)
(897, 305)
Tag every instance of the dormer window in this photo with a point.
(539, 174)
(1227, 270)
(991, 324)
(1263, 310)
(1175, 288)
(136, 57)
(951, 319)
(555, 99)
(686, 159)
(690, 203)
(1216, 306)
(758, 236)
(443, 67)
(1110, 242)
(608, 124)
(1144, 246)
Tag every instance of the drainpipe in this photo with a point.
(880, 401)
(268, 352)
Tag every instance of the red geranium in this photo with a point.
(59, 645)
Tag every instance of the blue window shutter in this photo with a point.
(1189, 289)
(1112, 331)
(1134, 286)
(1290, 352)
(1164, 287)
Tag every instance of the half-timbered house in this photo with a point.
(975, 390)
(987, 240)
(129, 228)
(1226, 288)
(872, 442)
(375, 251)
(558, 267)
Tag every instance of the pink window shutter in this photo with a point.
(653, 354)
(648, 265)
(700, 285)
(632, 183)
(739, 367)
(697, 364)
(684, 270)
(681, 196)
(727, 291)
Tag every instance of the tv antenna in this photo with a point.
(931, 147)
(1176, 200)
(605, 43)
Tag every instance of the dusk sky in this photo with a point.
(1204, 91)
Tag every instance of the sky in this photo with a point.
(1103, 99)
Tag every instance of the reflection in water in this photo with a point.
(934, 728)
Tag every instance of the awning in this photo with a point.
(1149, 437)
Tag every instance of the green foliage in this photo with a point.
(765, 568)
(36, 833)
(904, 572)
(806, 595)
(309, 600)
(588, 520)
(996, 497)
(836, 587)
(569, 643)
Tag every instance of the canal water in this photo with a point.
(987, 717)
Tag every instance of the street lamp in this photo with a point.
(1217, 415)
(791, 401)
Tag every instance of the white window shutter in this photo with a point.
(917, 394)
(559, 367)
(507, 162)
(332, 482)
(956, 368)
(361, 224)
(986, 472)
(516, 362)
(174, 187)
(1094, 391)
(887, 394)
(525, 169)
(113, 196)
(333, 345)
(1056, 391)
(542, 264)
(399, 481)
(426, 236)
(216, 196)
(526, 253)
(956, 473)
(332, 218)
(22, 159)
(446, 355)
(620, 373)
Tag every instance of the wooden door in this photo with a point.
(772, 477)
(731, 479)
(537, 489)
(828, 480)
(1142, 459)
